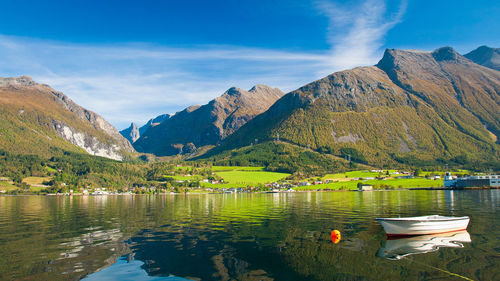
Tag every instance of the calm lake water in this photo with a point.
(245, 237)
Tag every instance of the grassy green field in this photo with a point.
(354, 174)
(7, 186)
(36, 180)
(250, 177)
(50, 170)
(366, 174)
(221, 185)
(395, 183)
(235, 168)
(37, 188)
(459, 171)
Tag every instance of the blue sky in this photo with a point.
(133, 60)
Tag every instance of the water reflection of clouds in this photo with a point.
(126, 269)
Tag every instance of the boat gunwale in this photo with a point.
(395, 236)
(422, 219)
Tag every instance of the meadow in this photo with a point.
(250, 177)
(36, 180)
(7, 186)
(357, 174)
(235, 168)
(383, 184)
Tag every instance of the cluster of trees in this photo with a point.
(461, 161)
(16, 167)
(69, 170)
(281, 157)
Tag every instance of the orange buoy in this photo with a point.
(335, 236)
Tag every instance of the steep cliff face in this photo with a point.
(208, 124)
(88, 142)
(485, 56)
(412, 105)
(132, 133)
(31, 110)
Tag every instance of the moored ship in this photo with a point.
(472, 181)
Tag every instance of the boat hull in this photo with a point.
(423, 225)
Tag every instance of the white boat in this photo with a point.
(422, 225)
(395, 249)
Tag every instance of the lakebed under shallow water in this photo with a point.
(250, 236)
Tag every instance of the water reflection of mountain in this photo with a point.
(395, 249)
(206, 255)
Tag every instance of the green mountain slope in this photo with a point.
(412, 107)
(35, 119)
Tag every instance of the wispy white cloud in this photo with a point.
(356, 31)
(134, 82)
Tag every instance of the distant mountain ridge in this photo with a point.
(485, 56)
(154, 122)
(36, 119)
(133, 132)
(412, 107)
(208, 124)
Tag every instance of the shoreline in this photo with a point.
(284, 192)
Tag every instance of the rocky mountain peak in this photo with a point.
(233, 91)
(208, 124)
(445, 54)
(266, 90)
(26, 81)
(394, 57)
(131, 133)
(260, 87)
(485, 56)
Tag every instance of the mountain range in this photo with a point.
(412, 107)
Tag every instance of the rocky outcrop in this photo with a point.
(131, 133)
(208, 124)
(88, 142)
(485, 56)
(48, 111)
